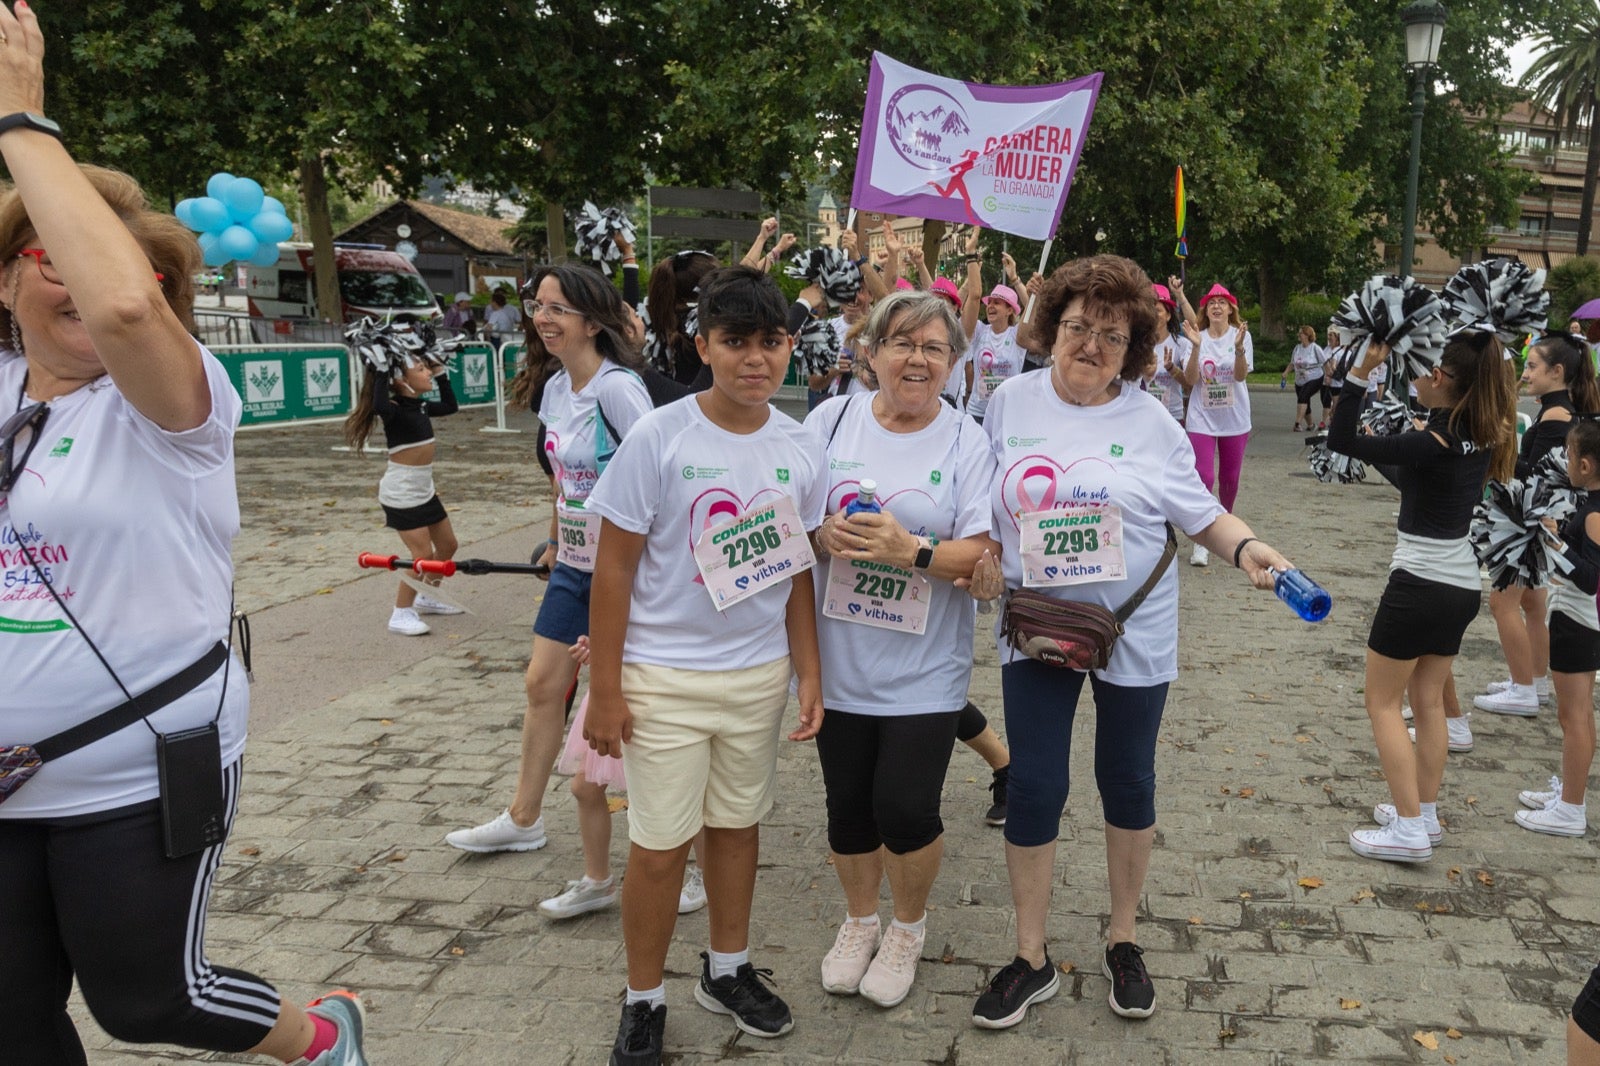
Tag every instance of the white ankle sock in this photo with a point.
(726, 963)
(871, 919)
(1521, 690)
(916, 927)
(656, 996)
(1411, 825)
(1430, 811)
(1574, 810)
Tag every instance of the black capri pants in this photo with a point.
(884, 776)
(96, 898)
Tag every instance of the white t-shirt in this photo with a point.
(1307, 360)
(840, 327)
(1164, 386)
(1232, 417)
(1127, 452)
(1379, 375)
(677, 475)
(994, 357)
(956, 383)
(936, 484)
(135, 528)
(573, 427)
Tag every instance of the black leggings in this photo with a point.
(884, 776)
(102, 902)
(970, 723)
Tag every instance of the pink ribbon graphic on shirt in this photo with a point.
(986, 360)
(1033, 483)
(551, 442)
(843, 494)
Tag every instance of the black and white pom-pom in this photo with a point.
(816, 348)
(1552, 469)
(1401, 313)
(391, 347)
(1507, 533)
(597, 232)
(830, 268)
(1503, 295)
(1331, 466)
(1386, 417)
(656, 351)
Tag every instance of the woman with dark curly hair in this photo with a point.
(1083, 447)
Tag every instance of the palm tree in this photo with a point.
(1563, 80)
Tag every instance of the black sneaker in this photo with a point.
(638, 1040)
(997, 813)
(1012, 991)
(754, 1007)
(1132, 994)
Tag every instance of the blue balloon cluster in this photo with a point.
(236, 220)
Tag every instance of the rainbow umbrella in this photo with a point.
(1182, 251)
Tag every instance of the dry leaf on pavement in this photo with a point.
(1427, 1040)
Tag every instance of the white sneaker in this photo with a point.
(693, 895)
(581, 897)
(1519, 700)
(1458, 730)
(501, 834)
(1406, 712)
(847, 961)
(426, 604)
(1538, 801)
(1559, 819)
(1200, 557)
(404, 621)
(1394, 843)
(1384, 813)
(888, 980)
(1541, 686)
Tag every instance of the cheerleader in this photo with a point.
(1574, 645)
(398, 373)
(1434, 589)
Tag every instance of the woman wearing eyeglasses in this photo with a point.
(1092, 470)
(117, 516)
(587, 407)
(1220, 355)
(894, 631)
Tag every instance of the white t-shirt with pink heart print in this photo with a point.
(1127, 453)
(677, 475)
(935, 482)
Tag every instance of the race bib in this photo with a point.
(762, 547)
(577, 536)
(1217, 394)
(877, 594)
(1072, 546)
(1158, 390)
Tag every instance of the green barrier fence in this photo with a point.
(282, 383)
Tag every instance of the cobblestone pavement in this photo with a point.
(1268, 940)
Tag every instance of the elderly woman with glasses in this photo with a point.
(895, 632)
(1082, 449)
(122, 727)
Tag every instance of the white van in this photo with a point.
(372, 281)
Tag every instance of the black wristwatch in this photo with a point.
(32, 121)
(924, 557)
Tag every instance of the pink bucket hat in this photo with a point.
(1216, 291)
(1007, 295)
(1164, 294)
(902, 285)
(947, 288)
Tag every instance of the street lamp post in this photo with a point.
(1424, 25)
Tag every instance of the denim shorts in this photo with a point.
(564, 614)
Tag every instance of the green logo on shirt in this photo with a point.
(688, 473)
(935, 477)
(63, 446)
(783, 475)
(1116, 450)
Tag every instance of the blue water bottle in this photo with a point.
(866, 501)
(1305, 597)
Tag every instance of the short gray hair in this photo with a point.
(906, 312)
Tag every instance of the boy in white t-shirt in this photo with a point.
(702, 607)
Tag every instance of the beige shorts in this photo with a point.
(704, 748)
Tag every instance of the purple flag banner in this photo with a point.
(997, 156)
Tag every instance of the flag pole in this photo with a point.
(1044, 256)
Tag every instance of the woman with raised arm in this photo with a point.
(122, 728)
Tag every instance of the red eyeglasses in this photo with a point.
(47, 269)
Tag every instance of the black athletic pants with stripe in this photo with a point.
(97, 899)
